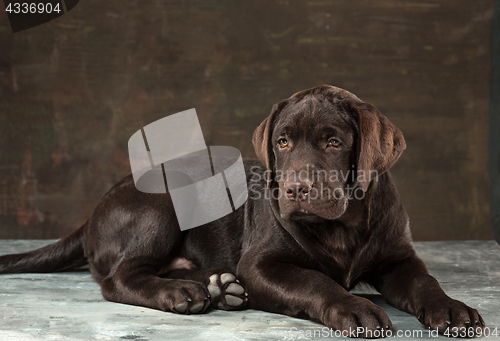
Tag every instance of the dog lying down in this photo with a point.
(296, 247)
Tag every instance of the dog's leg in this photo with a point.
(226, 291)
(291, 290)
(136, 282)
(408, 286)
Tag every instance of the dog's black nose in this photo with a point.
(297, 190)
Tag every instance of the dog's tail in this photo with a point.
(66, 254)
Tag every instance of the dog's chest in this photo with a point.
(348, 255)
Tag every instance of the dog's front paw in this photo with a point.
(358, 317)
(185, 297)
(226, 292)
(451, 317)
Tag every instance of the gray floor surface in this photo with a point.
(69, 306)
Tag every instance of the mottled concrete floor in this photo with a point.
(69, 306)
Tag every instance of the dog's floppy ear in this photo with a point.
(380, 143)
(262, 142)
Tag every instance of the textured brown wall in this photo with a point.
(74, 90)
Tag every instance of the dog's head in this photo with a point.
(320, 147)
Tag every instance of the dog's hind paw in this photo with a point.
(226, 292)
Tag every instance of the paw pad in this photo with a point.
(225, 291)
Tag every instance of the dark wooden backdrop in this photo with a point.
(494, 122)
(74, 90)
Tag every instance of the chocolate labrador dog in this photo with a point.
(323, 214)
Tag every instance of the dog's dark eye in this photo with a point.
(333, 142)
(283, 142)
